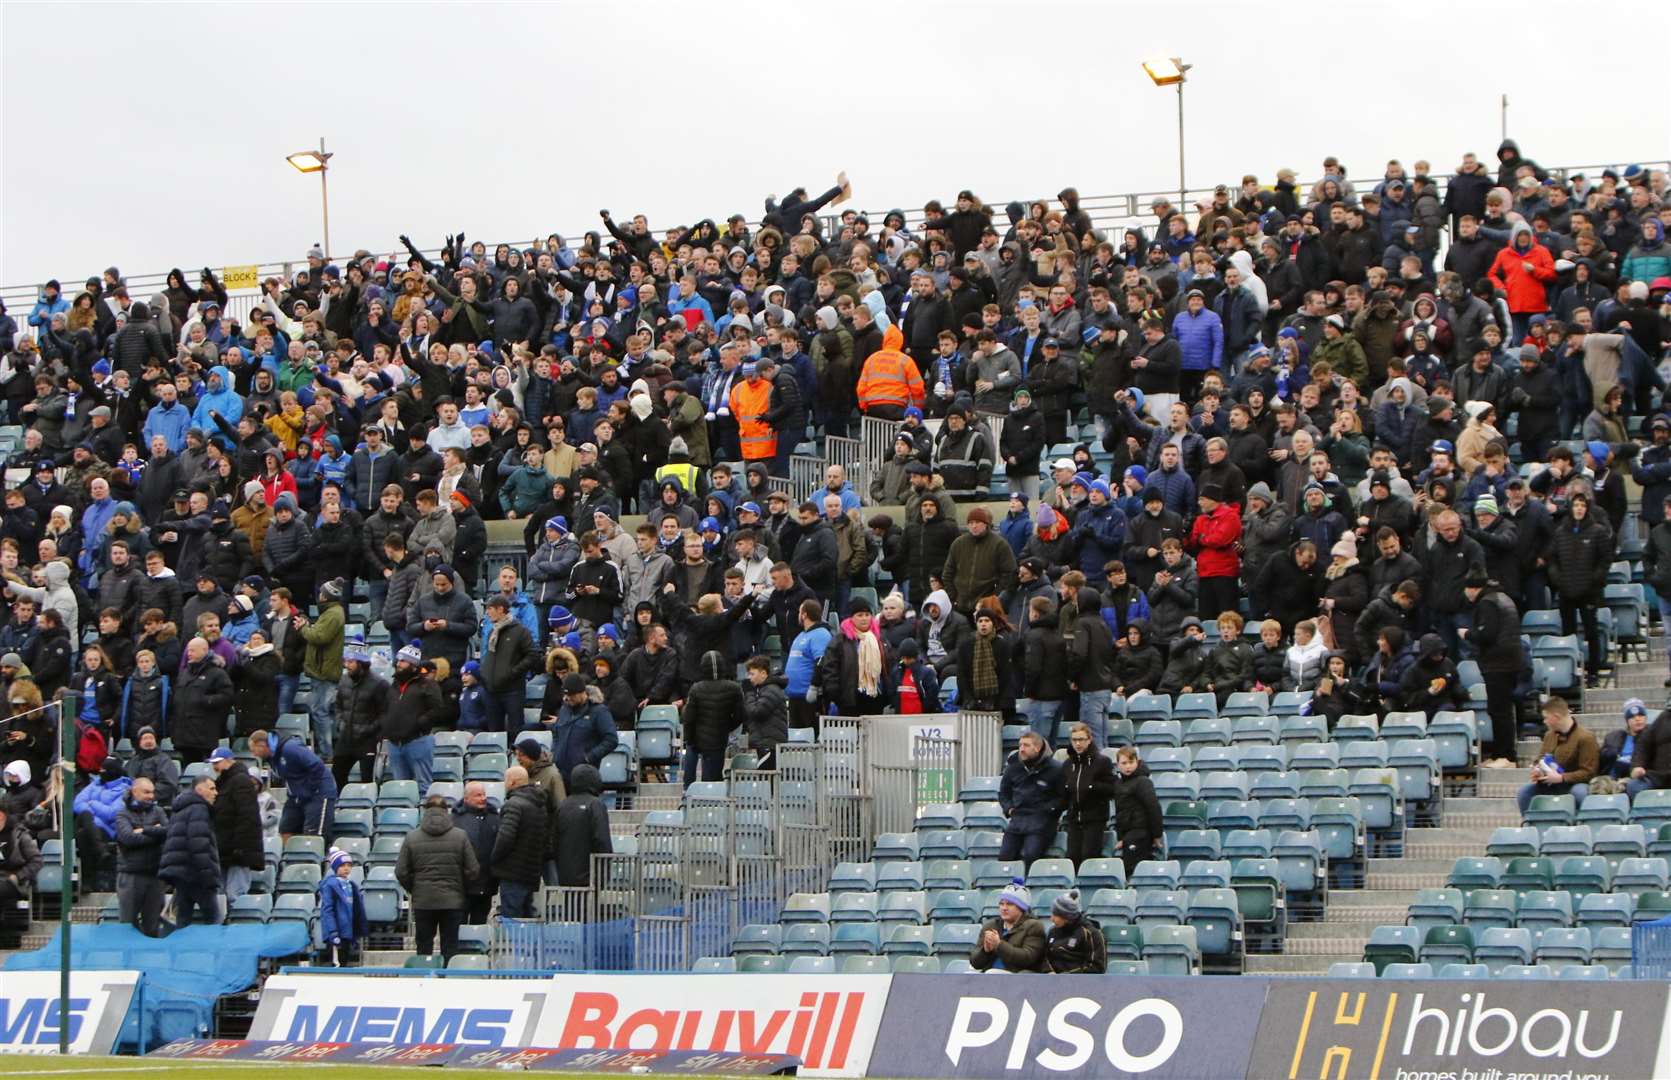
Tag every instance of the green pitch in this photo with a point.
(98, 1068)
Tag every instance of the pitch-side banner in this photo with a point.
(31, 1015)
(1037, 1026)
(1393, 1029)
(829, 1022)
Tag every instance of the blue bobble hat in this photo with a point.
(1016, 893)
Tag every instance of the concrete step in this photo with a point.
(1292, 964)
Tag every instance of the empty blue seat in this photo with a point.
(1172, 950)
(1393, 944)
(853, 877)
(1159, 733)
(1544, 909)
(1408, 971)
(854, 907)
(1436, 907)
(1109, 906)
(806, 939)
(1207, 731)
(1606, 909)
(757, 938)
(862, 938)
(1246, 703)
(1162, 759)
(1347, 969)
(1564, 945)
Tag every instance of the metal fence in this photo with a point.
(694, 876)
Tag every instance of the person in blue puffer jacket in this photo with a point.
(1200, 336)
(1099, 531)
(103, 797)
(342, 913)
(218, 396)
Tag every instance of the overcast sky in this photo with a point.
(153, 135)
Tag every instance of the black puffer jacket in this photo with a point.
(1138, 667)
(1579, 555)
(437, 863)
(238, 819)
(256, 684)
(1044, 664)
(1089, 783)
(1136, 809)
(190, 859)
(714, 706)
(582, 828)
(362, 703)
(519, 849)
(202, 697)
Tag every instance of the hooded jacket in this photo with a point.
(1523, 270)
(519, 850)
(437, 861)
(713, 706)
(1137, 667)
(582, 827)
(224, 401)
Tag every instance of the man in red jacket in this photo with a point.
(1213, 539)
(1523, 270)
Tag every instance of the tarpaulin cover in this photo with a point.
(184, 972)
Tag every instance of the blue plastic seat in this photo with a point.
(1393, 944)
(1436, 907)
(1207, 730)
(1172, 950)
(861, 938)
(1259, 730)
(1110, 906)
(1563, 945)
(1545, 909)
(1246, 703)
(858, 907)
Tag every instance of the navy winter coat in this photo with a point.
(190, 855)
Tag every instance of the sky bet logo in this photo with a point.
(1346, 1034)
(36, 1020)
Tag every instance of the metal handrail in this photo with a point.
(1107, 212)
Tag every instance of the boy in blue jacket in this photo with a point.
(472, 699)
(342, 913)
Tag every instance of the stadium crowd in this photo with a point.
(1378, 419)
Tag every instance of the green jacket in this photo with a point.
(977, 567)
(689, 422)
(322, 655)
(525, 490)
(1346, 357)
(292, 377)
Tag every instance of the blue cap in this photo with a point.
(357, 652)
(750, 507)
(559, 616)
(1597, 449)
(1138, 473)
(471, 667)
(608, 630)
(1102, 486)
(411, 653)
(711, 524)
(221, 753)
(750, 368)
(1090, 332)
(571, 640)
(560, 523)
(913, 413)
(1441, 446)
(1083, 479)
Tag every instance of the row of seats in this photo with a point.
(852, 964)
(1648, 807)
(1585, 876)
(1534, 909)
(1170, 948)
(1617, 840)
(1365, 970)
(1498, 946)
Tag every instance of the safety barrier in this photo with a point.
(1025, 1025)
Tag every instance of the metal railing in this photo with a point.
(1107, 212)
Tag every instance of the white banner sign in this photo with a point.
(31, 1013)
(830, 1022)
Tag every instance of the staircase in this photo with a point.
(1429, 853)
